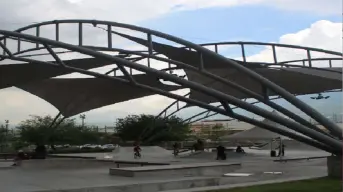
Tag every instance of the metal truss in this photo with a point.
(306, 63)
(315, 137)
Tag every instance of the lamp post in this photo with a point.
(4, 135)
(83, 117)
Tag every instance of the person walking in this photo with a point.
(281, 150)
(221, 153)
(176, 148)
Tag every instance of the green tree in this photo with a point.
(37, 130)
(6, 138)
(216, 132)
(151, 130)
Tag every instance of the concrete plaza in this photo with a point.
(76, 175)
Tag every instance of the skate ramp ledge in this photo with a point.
(6, 165)
(192, 170)
(70, 156)
(141, 163)
(300, 159)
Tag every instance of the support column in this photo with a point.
(334, 165)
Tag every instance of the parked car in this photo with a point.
(108, 146)
(90, 146)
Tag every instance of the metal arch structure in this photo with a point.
(319, 140)
(274, 46)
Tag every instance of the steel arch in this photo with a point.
(80, 27)
(333, 149)
(223, 97)
(207, 112)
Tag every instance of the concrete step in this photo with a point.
(152, 186)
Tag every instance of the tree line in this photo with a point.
(147, 129)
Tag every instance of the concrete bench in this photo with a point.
(194, 169)
(300, 159)
(141, 163)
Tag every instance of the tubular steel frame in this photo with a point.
(321, 140)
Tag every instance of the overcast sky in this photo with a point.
(314, 23)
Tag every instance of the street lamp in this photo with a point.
(83, 117)
(4, 142)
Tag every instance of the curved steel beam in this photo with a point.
(336, 145)
(239, 117)
(210, 115)
(169, 106)
(145, 56)
(277, 89)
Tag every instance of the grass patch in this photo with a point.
(314, 185)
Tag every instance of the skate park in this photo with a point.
(211, 78)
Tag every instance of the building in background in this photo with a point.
(212, 128)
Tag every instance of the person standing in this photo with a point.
(176, 149)
(281, 150)
(221, 153)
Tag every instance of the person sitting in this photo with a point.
(221, 153)
(239, 149)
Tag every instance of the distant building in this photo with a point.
(105, 129)
(229, 127)
(205, 128)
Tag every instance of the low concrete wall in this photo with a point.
(334, 165)
(61, 163)
(191, 170)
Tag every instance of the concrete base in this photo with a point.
(194, 170)
(334, 165)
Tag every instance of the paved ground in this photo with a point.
(41, 175)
